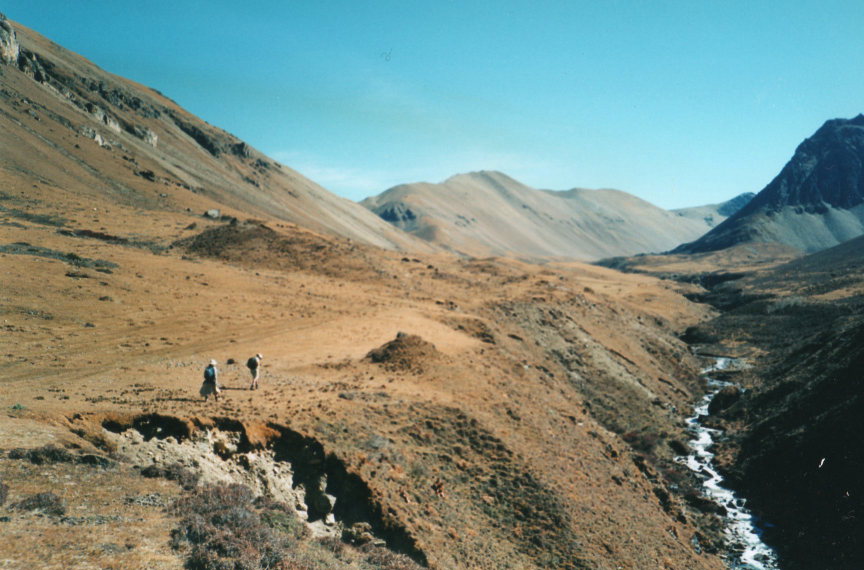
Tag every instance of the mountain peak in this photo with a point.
(481, 176)
(813, 203)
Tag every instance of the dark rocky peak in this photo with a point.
(826, 170)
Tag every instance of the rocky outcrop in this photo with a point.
(816, 202)
(9, 48)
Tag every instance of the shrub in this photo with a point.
(389, 560)
(4, 493)
(643, 441)
(48, 503)
(173, 472)
(51, 454)
(43, 455)
(226, 528)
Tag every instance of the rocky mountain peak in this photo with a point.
(811, 203)
(827, 169)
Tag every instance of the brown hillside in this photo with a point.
(489, 213)
(65, 123)
(518, 412)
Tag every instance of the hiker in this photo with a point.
(253, 364)
(211, 382)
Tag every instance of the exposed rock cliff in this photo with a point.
(9, 48)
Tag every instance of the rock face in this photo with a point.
(9, 48)
(816, 202)
(488, 213)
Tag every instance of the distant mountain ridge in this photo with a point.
(489, 213)
(815, 202)
(715, 214)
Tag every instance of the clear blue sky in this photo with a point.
(681, 103)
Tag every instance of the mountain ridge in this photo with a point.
(488, 212)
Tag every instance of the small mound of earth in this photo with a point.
(254, 244)
(407, 352)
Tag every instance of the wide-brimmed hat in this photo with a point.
(259, 356)
(212, 362)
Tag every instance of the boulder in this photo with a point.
(725, 398)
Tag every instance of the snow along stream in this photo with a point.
(747, 551)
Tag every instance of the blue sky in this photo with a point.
(681, 103)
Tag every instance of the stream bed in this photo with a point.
(746, 549)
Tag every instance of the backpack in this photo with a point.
(252, 363)
(209, 374)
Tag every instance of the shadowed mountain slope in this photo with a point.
(488, 213)
(791, 442)
(814, 203)
(66, 124)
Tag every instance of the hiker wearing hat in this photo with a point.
(211, 383)
(253, 364)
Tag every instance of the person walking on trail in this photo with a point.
(211, 382)
(254, 363)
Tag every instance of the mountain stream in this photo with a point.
(746, 549)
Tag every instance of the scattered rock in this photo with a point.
(148, 500)
(93, 520)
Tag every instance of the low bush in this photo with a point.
(48, 503)
(224, 527)
(388, 560)
(43, 455)
(173, 472)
